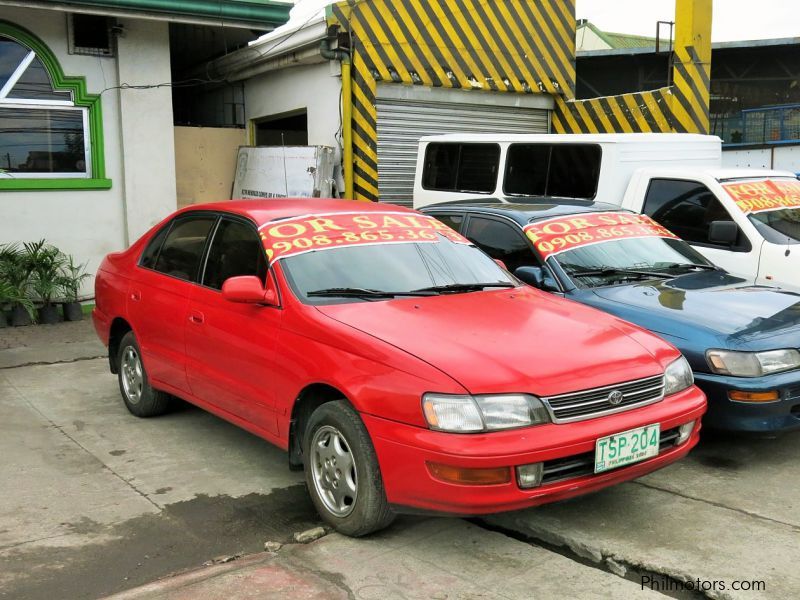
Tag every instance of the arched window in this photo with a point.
(50, 127)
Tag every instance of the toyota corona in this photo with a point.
(395, 362)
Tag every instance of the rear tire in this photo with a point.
(342, 472)
(137, 393)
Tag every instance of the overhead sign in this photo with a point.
(764, 195)
(310, 233)
(559, 234)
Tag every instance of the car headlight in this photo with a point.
(471, 414)
(678, 376)
(752, 364)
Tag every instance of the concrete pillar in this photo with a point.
(148, 143)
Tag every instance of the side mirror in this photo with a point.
(500, 264)
(537, 277)
(723, 232)
(248, 290)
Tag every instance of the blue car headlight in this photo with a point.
(752, 364)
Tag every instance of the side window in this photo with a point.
(236, 250)
(574, 170)
(150, 254)
(501, 240)
(566, 170)
(461, 167)
(183, 247)
(452, 221)
(526, 169)
(686, 208)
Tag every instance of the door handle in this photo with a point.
(136, 295)
(197, 318)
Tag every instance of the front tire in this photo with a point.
(342, 472)
(137, 393)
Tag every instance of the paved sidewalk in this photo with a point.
(424, 559)
(47, 344)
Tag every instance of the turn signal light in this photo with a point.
(770, 396)
(464, 476)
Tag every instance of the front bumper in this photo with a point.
(724, 413)
(403, 451)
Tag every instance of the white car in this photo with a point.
(744, 220)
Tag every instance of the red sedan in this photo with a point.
(393, 360)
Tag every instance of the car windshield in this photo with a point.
(381, 271)
(778, 226)
(771, 204)
(622, 260)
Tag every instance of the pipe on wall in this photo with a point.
(343, 56)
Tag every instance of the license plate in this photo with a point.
(627, 447)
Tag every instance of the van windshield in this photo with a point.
(778, 226)
(772, 204)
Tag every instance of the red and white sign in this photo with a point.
(765, 194)
(310, 233)
(559, 234)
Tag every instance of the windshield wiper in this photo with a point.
(689, 266)
(465, 287)
(353, 292)
(617, 271)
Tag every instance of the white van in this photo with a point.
(592, 167)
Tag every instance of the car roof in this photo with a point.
(718, 173)
(265, 211)
(526, 210)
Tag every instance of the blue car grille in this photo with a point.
(597, 402)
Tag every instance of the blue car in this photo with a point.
(741, 340)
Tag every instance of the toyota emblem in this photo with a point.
(615, 397)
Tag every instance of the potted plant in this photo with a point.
(5, 299)
(71, 279)
(16, 280)
(45, 263)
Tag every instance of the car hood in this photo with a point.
(519, 340)
(739, 315)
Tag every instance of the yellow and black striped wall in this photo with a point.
(680, 108)
(511, 46)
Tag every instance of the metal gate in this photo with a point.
(402, 122)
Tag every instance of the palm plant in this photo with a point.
(15, 281)
(45, 262)
(72, 277)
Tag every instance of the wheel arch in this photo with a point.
(308, 400)
(119, 327)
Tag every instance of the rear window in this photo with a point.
(566, 170)
(461, 167)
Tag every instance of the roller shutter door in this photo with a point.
(401, 123)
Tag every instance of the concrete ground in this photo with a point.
(96, 502)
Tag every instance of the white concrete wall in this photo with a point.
(786, 158)
(91, 223)
(315, 88)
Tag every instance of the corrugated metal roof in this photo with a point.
(258, 14)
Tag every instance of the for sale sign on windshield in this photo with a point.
(764, 194)
(559, 234)
(309, 233)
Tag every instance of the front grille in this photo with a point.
(793, 392)
(583, 464)
(586, 404)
